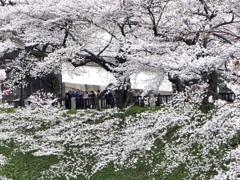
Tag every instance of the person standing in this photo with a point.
(68, 100)
(77, 99)
(98, 100)
(92, 96)
(86, 99)
(109, 98)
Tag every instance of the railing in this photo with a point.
(82, 103)
(145, 101)
(14, 104)
(229, 97)
(110, 102)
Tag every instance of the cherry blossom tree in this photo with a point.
(191, 44)
(94, 34)
(202, 38)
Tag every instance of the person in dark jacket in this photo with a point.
(109, 98)
(68, 100)
(159, 99)
(92, 97)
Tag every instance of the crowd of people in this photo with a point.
(86, 99)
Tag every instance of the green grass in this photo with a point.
(72, 111)
(136, 110)
(26, 166)
(7, 110)
(133, 110)
(23, 166)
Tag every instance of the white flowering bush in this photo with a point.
(172, 142)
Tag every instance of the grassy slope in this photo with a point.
(26, 166)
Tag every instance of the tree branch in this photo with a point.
(105, 47)
(100, 61)
(221, 37)
(3, 2)
(82, 63)
(226, 23)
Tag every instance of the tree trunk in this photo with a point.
(177, 82)
(123, 98)
(120, 98)
(124, 95)
(212, 80)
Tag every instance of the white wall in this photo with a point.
(87, 75)
(150, 81)
(98, 76)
